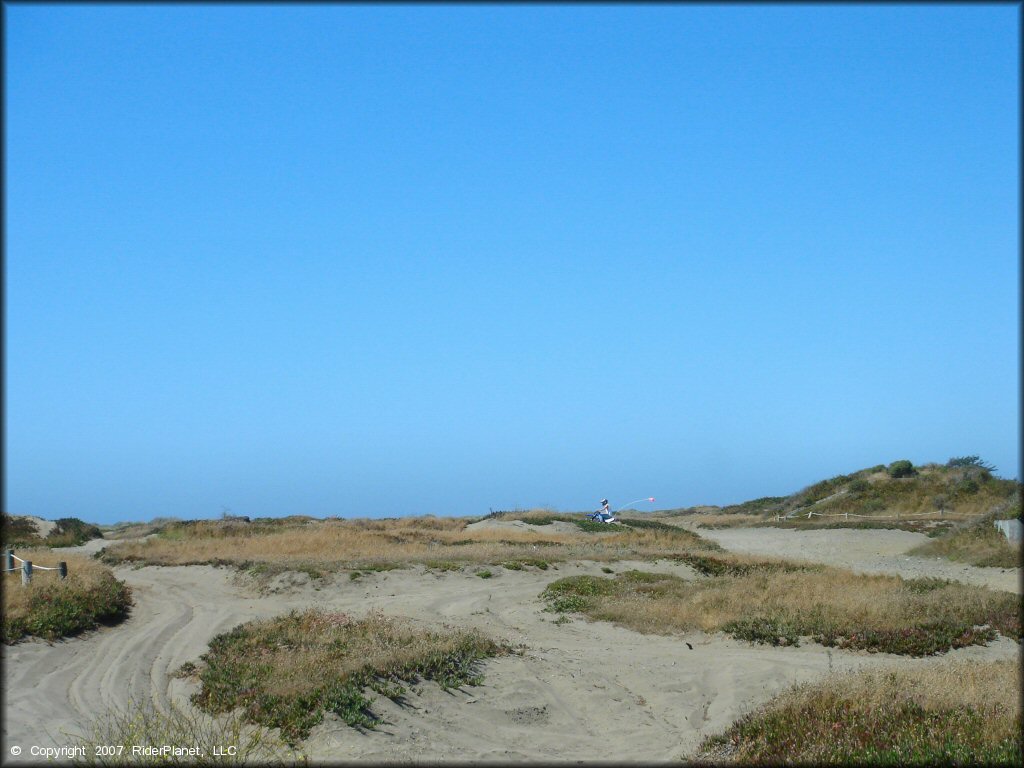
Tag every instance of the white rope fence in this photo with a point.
(27, 568)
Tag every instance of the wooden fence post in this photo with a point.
(26, 573)
(62, 570)
(10, 560)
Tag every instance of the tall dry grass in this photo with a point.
(961, 713)
(357, 543)
(114, 737)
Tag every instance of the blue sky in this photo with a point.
(387, 260)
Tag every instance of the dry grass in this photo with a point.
(979, 543)
(51, 608)
(778, 603)
(984, 686)
(114, 736)
(957, 713)
(286, 672)
(82, 572)
(725, 520)
(982, 546)
(333, 544)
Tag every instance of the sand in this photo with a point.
(875, 551)
(580, 691)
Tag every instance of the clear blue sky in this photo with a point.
(389, 260)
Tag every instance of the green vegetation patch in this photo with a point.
(778, 603)
(66, 608)
(286, 672)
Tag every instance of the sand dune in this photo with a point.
(580, 691)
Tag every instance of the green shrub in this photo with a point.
(967, 487)
(19, 532)
(762, 629)
(72, 532)
(902, 468)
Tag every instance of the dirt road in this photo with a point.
(579, 691)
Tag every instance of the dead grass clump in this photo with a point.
(965, 713)
(286, 672)
(777, 603)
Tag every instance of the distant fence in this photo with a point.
(27, 568)
(1011, 529)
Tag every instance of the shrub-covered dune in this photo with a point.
(21, 531)
(962, 487)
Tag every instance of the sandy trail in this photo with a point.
(863, 551)
(580, 691)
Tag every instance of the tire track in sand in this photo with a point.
(577, 691)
